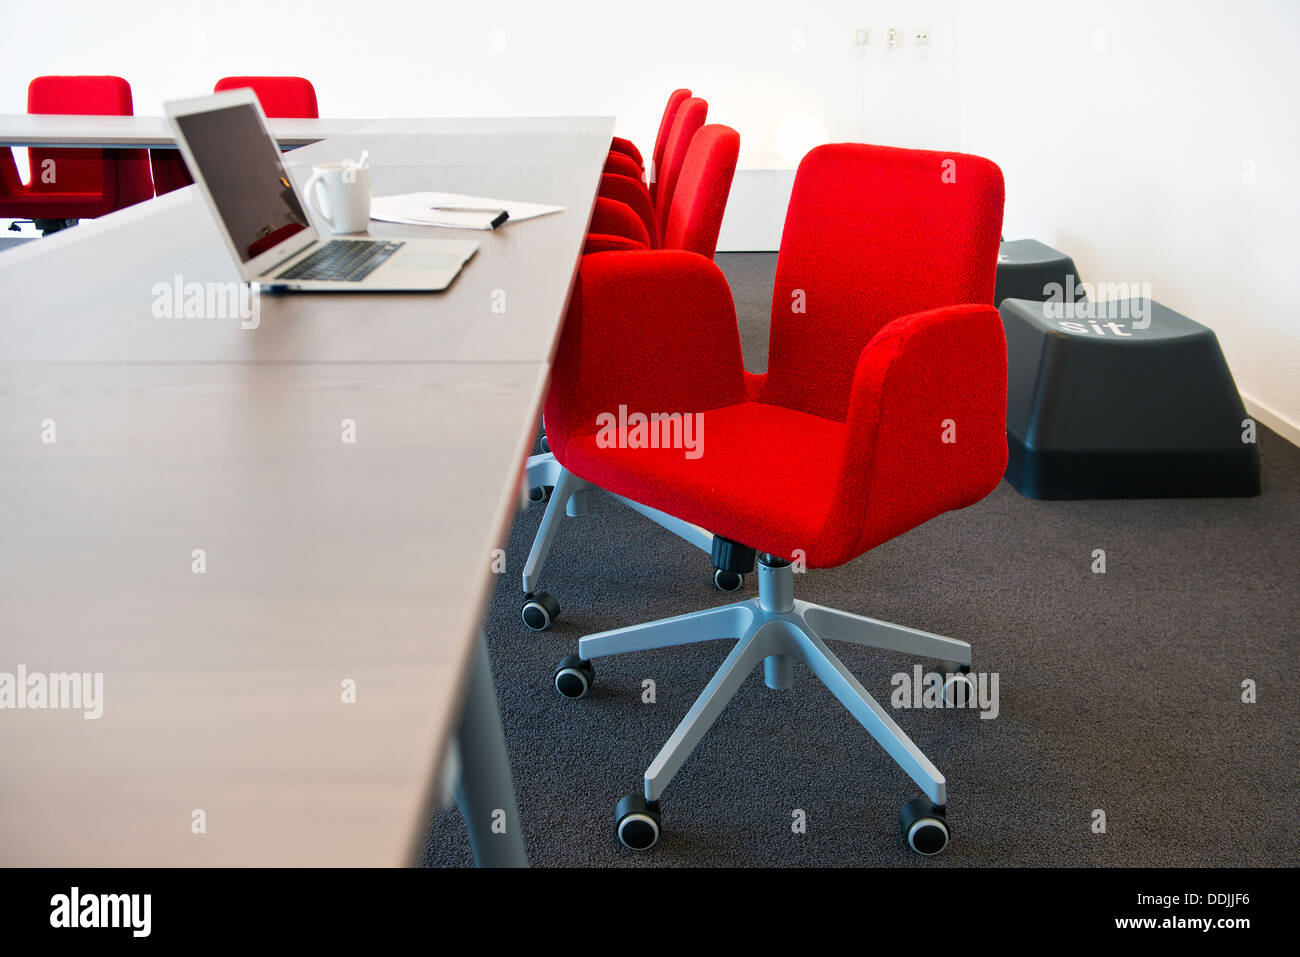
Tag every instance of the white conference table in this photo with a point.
(144, 132)
(324, 561)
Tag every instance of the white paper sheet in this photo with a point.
(417, 209)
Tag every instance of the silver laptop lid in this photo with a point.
(237, 165)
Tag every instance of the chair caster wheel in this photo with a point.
(574, 677)
(958, 685)
(543, 444)
(540, 493)
(727, 581)
(540, 611)
(637, 823)
(924, 826)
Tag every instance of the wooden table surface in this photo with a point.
(325, 560)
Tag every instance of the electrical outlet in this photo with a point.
(921, 37)
(891, 37)
(860, 36)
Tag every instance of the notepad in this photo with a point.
(422, 209)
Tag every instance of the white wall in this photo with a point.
(1156, 142)
(785, 74)
(758, 62)
(1124, 147)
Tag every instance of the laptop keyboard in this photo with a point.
(342, 260)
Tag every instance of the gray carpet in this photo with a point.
(1118, 692)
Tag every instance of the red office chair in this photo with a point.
(703, 185)
(628, 148)
(281, 96)
(690, 117)
(632, 186)
(695, 216)
(693, 224)
(883, 406)
(71, 184)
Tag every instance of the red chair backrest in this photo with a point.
(690, 117)
(919, 232)
(695, 216)
(675, 99)
(86, 170)
(284, 97)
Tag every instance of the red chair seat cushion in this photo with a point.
(754, 455)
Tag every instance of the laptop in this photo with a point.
(237, 165)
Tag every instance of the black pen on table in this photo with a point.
(501, 214)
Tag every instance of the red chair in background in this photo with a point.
(623, 165)
(693, 225)
(884, 405)
(633, 194)
(675, 101)
(628, 148)
(684, 116)
(614, 226)
(283, 97)
(625, 160)
(71, 184)
(695, 215)
(690, 117)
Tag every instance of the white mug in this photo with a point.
(347, 195)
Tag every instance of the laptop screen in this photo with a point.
(241, 166)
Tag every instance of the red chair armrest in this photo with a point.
(927, 421)
(613, 218)
(634, 194)
(654, 331)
